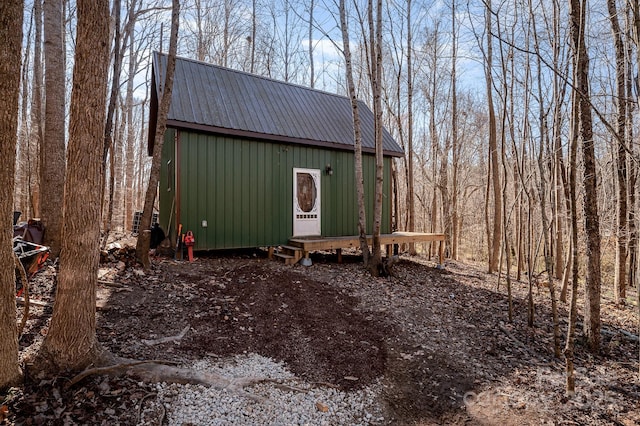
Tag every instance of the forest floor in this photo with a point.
(437, 343)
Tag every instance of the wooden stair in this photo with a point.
(289, 254)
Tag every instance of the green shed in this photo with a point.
(249, 161)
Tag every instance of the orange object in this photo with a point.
(189, 241)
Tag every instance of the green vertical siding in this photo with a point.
(244, 190)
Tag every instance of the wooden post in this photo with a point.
(441, 253)
(270, 253)
(339, 253)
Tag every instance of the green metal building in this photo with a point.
(251, 162)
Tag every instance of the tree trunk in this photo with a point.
(357, 136)
(52, 164)
(455, 148)
(71, 341)
(633, 25)
(410, 161)
(620, 282)
(494, 254)
(312, 76)
(559, 178)
(573, 309)
(254, 27)
(109, 143)
(577, 12)
(36, 137)
(542, 187)
(24, 145)
(142, 246)
(11, 12)
(129, 174)
(375, 263)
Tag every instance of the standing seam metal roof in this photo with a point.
(226, 101)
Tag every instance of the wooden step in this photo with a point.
(287, 258)
(291, 248)
(296, 252)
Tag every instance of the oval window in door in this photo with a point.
(307, 192)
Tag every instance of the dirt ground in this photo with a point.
(438, 340)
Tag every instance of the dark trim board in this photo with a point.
(182, 125)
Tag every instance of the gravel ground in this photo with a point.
(296, 403)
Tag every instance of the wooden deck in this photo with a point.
(308, 244)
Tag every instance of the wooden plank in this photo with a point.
(334, 243)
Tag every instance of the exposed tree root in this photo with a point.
(114, 369)
(156, 371)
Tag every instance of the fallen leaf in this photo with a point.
(322, 407)
(4, 412)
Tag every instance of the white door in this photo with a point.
(306, 202)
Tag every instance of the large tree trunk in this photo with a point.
(142, 246)
(52, 161)
(357, 136)
(11, 12)
(591, 220)
(71, 342)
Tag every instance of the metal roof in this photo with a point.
(220, 100)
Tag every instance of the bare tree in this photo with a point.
(144, 239)
(36, 136)
(569, 350)
(621, 128)
(495, 235)
(542, 187)
(632, 249)
(71, 341)
(410, 161)
(24, 160)
(357, 135)
(312, 77)
(11, 13)
(52, 158)
(253, 35)
(129, 110)
(110, 143)
(455, 142)
(375, 37)
(577, 13)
